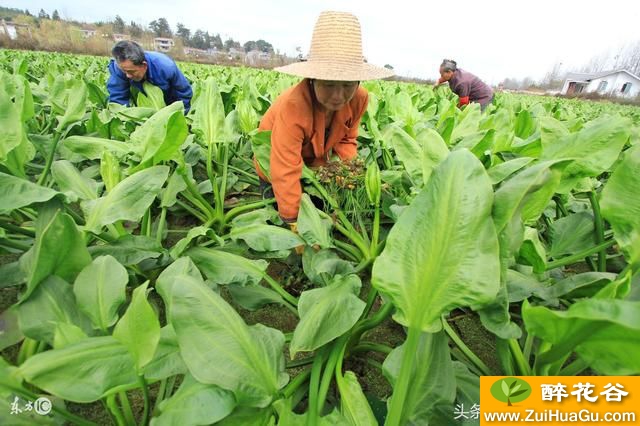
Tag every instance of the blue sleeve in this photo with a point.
(118, 85)
(182, 89)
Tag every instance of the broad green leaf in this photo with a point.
(58, 250)
(434, 151)
(432, 378)
(260, 216)
(75, 105)
(249, 416)
(82, 372)
(11, 125)
(161, 136)
(594, 149)
(407, 150)
(129, 200)
(227, 268)
(10, 332)
(253, 297)
(182, 267)
(266, 237)
(72, 183)
(502, 171)
(209, 115)
(110, 171)
(181, 246)
(327, 313)
(353, 404)
(175, 185)
(571, 234)
(620, 205)
(100, 290)
(220, 349)
(129, 249)
(320, 267)
(532, 252)
(314, 226)
(194, 404)
(139, 328)
(525, 195)
(166, 361)
(16, 193)
(92, 148)
(151, 97)
(51, 303)
(456, 263)
(604, 333)
(261, 147)
(66, 334)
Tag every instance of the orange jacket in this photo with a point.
(297, 124)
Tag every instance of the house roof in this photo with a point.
(587, 77)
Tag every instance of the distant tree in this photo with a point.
(389, 67)
(160, 27)
(183, 32)
(199, 40)
(231, 43)
(55, 15)
(43, 15)
(250, 45)
(118, 25)
(215, 42)
(135, 30)
(264, 46)
(26, 12)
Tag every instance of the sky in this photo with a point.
(494, 39)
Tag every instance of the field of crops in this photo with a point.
(145, 279)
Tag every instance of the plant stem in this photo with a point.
(113, 407)
(281, 291)
(161, 222)
(297, 381)
(56, 138)
(191, 210)
(316, 371)
(246, 207)
(338, 348)
(14, 244)
(599, 229)
(161, 389)
(169, 389)
(349, 250)
(579, 256)
(518, 357)
(480, 365)
(17, 229)
(394, 417)
(575, 368)
(372, 346)
(126, 408)
(147, 402)
(376, 231)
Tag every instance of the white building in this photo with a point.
(13, 29)
(615, 83)
(162, 44)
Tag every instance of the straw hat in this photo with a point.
(336, 52)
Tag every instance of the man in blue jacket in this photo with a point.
(132, 66)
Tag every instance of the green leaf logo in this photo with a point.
(510, 389)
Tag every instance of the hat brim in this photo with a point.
(336, 71)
